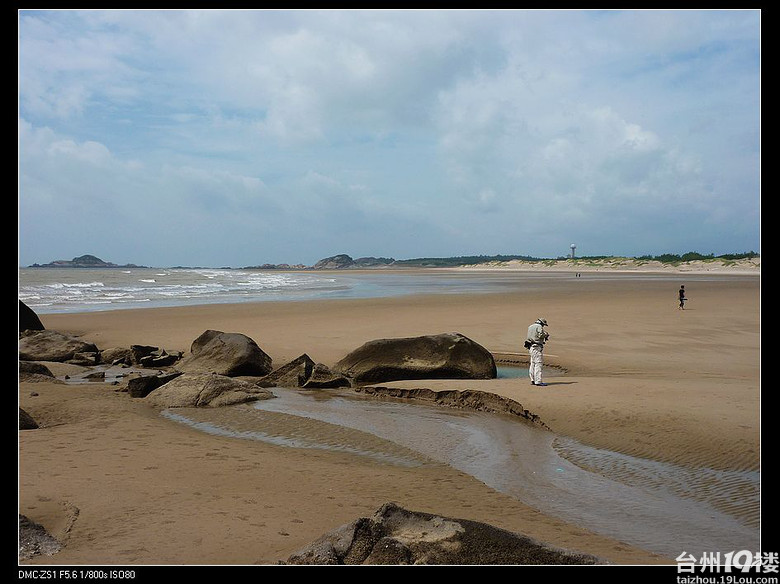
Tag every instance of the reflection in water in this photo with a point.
(655, 506)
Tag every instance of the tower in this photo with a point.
(573, 247)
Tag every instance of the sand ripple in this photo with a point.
(295, 431)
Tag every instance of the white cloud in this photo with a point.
(420, 131)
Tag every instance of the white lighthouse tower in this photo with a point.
(573, 247)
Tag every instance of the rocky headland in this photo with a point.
(84, 261)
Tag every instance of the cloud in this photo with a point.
(406, 133)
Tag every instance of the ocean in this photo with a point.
(59, 290)
(62, 290)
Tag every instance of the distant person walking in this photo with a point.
(534, 342)
(682, 298)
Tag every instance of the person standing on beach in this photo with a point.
(682, 298)
(534, 342)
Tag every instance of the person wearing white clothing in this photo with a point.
(534, 342)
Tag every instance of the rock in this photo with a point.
(28, 320)
(229, 354)
(444, 356)
(205, 390)
(293, 374)
(141, 351)
(143, 355)
(26, 421)
(160, 359)
(34, 540)
(323, 378)
(33, 371)
(397, 536)
(204, 339)
(117, 356)
(468, 399)
(49, 345)
(145, 384)
(85, 359)
(303, 372)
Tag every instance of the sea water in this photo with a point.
(58, 290)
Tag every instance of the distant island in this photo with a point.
(346, 262)
(85, 261)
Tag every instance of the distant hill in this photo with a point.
(274, 267)
(456, 261)
(343, 261)
(85, 261)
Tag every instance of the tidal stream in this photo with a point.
(658, 507)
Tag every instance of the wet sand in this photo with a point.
(119, 483)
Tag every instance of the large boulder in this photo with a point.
(28, 320)
(229, 354)
(205, 390)
(444, 356)
(49, 345)
(396, 536)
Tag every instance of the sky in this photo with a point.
(237, 138)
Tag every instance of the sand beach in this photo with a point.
(120, 484)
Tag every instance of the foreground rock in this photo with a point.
(205, 390)
(28, 320)
(34, 540)
(444, 356)
(49, 345)
(396, 536)
(228, 354)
